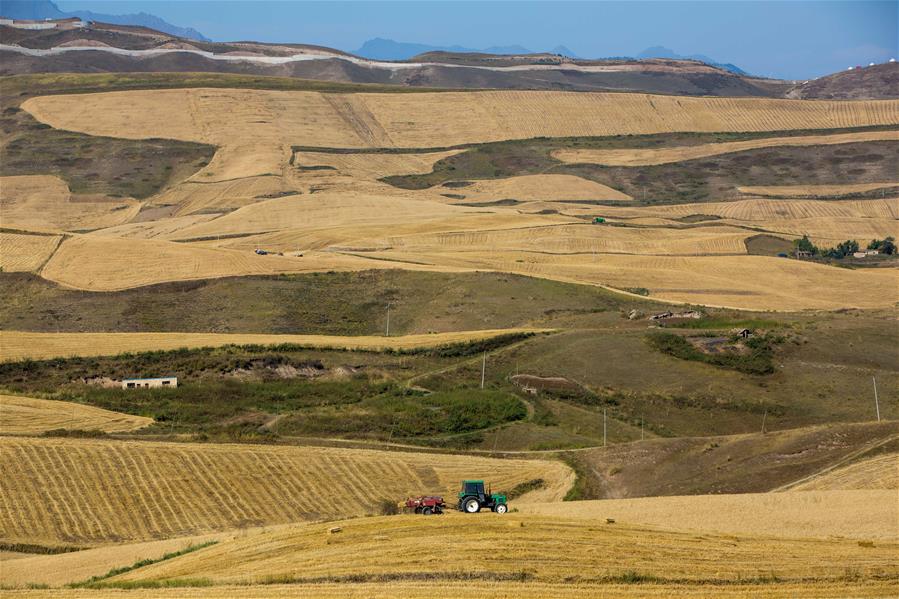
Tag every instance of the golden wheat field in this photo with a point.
(881, 472)
(494, 590)
(89, 492)
(18, 345)
(261, 192)
(851, 514)
(767, 210)
(813, 190)
(28, 415)
(77, 566)
(43, 203)
(102, 263)
(745, 282)
(26, 253)
(647, 157)
(255, 119)
(549, 549)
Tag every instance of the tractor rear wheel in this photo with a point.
(501, 508)
(471, 505)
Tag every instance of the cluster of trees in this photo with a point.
(845, 248)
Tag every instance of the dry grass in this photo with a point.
(494, 590)
(814, 191)
(18, 345)
(647, 157)
(864, 515)
(874, 473)
(88, 492)
(25, 253)
(27, 415)
(539, 187)
(546, 548)
(43, 203)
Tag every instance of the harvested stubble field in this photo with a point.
(851, 514)
(745, 282)
(89, 492)
(18, 345)
(880, 472)
(814, 191)
(77, 566)
(427, 120)
(28, 415)
(647, 157)
(329, 206)
(494, 590)
(43, 203)
(21, 252)
(112, 263)
(543, 549)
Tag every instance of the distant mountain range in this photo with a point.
(46, 9)
(386, 49)
(663, 52)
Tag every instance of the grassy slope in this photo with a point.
(815, 379)
(734, 464)
(321, 303)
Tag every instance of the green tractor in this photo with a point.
(473, 498)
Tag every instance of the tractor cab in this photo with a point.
(473, 497)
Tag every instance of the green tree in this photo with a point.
(805, 245)
(886, 246)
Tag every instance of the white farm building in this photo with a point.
(168, 381)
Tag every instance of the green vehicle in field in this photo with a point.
(473, 498)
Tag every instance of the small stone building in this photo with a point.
(168, 381)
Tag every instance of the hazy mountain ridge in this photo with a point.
(46, 9)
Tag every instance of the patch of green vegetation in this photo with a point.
(768, 245)
(39, 549)
(406, 413)
(637, 290)
(75, 433)
(580, 489)
(525, 487)
(94, 581)
(758, 360)
(543, 416)
(731, 322)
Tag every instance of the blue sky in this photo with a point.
(793, 40)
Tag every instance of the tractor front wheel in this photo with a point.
(427, 511)
(501, 508)
(472, 506)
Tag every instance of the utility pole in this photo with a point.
(876, 402)
(764, 417)
(603, 427)
(388, 319)
(641, 427)
(483, 369)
